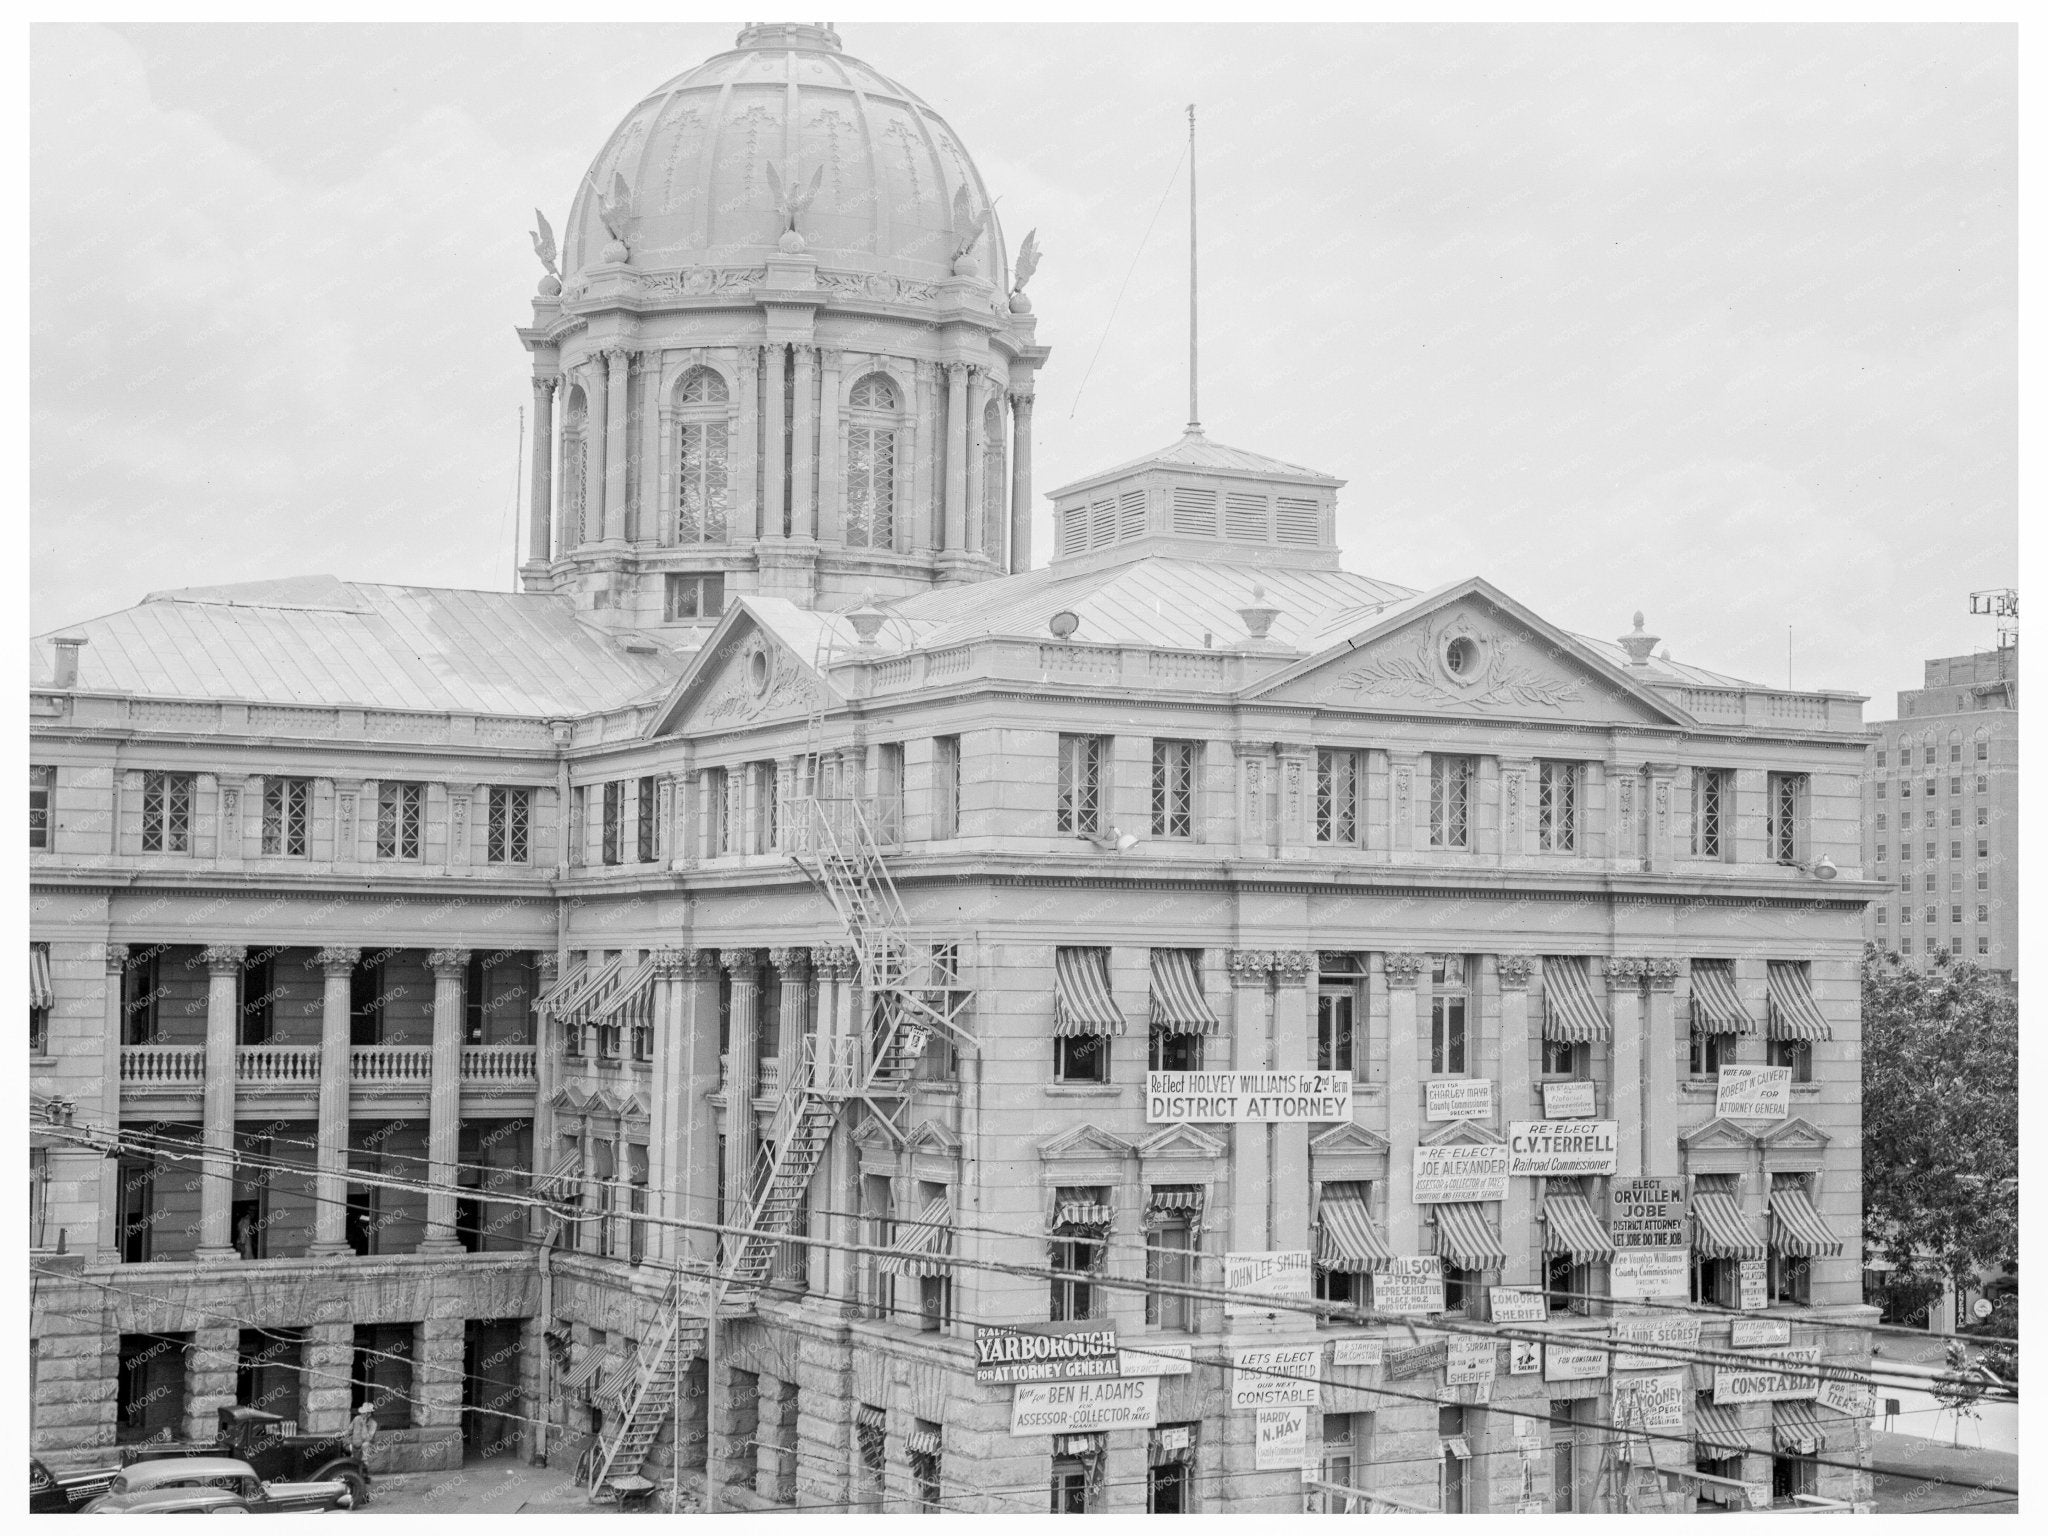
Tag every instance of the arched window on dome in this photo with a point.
(575, 434)
(873, 423)
(702, 435)
(995, 499)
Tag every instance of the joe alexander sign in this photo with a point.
(1461, 1171)
(1247, 1098)
(1549, 1148)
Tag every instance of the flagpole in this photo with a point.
(1194, 356)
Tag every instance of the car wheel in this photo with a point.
(358, 1487)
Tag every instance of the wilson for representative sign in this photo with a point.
(1247, 1098)
(1556, 1148)
(1015, 1354)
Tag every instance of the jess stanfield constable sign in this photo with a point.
(1247, 1098)
(1550, 1148)
(1013, 1354)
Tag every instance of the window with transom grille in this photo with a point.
(511, 818)
(1450, 800)
(398, 820)
(287, 804)
(41, 780)
(1710, 797)
(1173, 789)
(870, 512)
(1787, 812)
(1447, 1040)
(703, 497)
(166, 812)
(614, 819)
(1080, 783)
(1337, 778)
(1557, 807)
(644, 826)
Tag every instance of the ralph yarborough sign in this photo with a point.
(1247, 1098)
(1015, 1354)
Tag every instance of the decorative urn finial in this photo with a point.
(1259, 615)
(1637, 644)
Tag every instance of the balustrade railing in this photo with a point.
(278, 1064)
(183, 1065)
(390, 1063)
(170, 1064)
(498, 1063)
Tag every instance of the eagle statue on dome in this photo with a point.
(1027, 261)
(612, 213)
(967, 228)
(544, 248)
(789, 202)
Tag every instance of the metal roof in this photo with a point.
(1194, 451)
(314, 640)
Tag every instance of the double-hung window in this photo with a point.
(1447, 1005)
(511, 822)
(1557, 806)
(287, 807)
(1080, 784)
(1450, 800)
(945, 787)
(398, 820)
(614, 819)
(717, 812)
(1785, 816)
(41, 781)
(1173, 789)
(644, 823)
(1078, 1250)
(166, 812)
(1711, 803)
(1340, 1015)
(1337, 782)
(1171, 1218)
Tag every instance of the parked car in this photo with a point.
(212, 1485)
(51, 1494)
(261, 1439)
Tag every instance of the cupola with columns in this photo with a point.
(779, 351)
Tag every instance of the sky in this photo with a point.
(1715, 323)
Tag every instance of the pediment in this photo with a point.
(1461, 1133)
(1470, 650)
(872, 1134)
(1717, 1133)
(1349, 1137)
(1083, 1141)
(1796, 1133)
(1182, 1141)
(930, 1136)
(570, 1096)
(747, 673)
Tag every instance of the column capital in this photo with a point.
(1249, 967)
(337, 960)
(1514, 971)
(117, 957)
(1660, 972)
(617, 358)
(740, 962)
(447, 964)
(1627, 972)
(682, 964)
(1404, 970)
(1021, 400)
(835, 960)
(223, 959)
(1293, 967)
(548, 963)
(957, 372)
(789, 958)
(546, 383)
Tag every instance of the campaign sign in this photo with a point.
(1525, 1357)
(1753, 1093)
(1538, 1148)
(1415, 1287)
(1855, 1398)
(1759, 1332)
(1283, 1275)
(1642, 1273)
(1417, 1359)
(1266, 1377)
(1665, 1333)
(1753, 1283)
(1280, 1443)
(1458, 1098)
(1650, 1402)
(1082, 1407)
(1461, 1171)
(1517, 1304)
(1470, 1360)
(1647, 1213)
(1004, 1354)
(1769, 1378)
(1156, 1360)
(1568, 1101)
(1247, 1098)
(1568, 1362)
(1358, 1351)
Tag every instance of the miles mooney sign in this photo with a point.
(1247, 1098)
(1009, 1354)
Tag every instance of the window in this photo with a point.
(1710, 797)
(1080, 784)
(1170, 1478)
(1787, 811)
(1337, 781)
(1930, 780)
(1174, 1050)
(1564, 1455)
(1792, 1476)
(1454, 1451)
(166, 812)
(1077, 1474)
(1983, 784)
(1080, 1059)
(690, 597)
(1716, 1281)
(1880, 791)
(995, 487)
(925, 1450)
(870, 510)
(1450, 800)
(1881, 911)
(1983, 751)
(614, 819)
(41, 781)
(40, 999)
(286, 804)
(1955, 752)
(1557, 807)
(1983, 944)
(1955, 815)
(398, 820)
(1905, 944)
(383, 1372)
(945, 786)
(257, 982)
(1983, 816)
(1339, 1002)
(149, 1389)
(1880, 821)
(1079, 1246)
(1173, 789)
(644, 821)
(1880, 853)
(888, 809)
(1461, 1289)
(1712, 1050)
(1983, 847)
(1880, 757)
(1955, 848)
(871, 1436)
(1170, 1261)
(1955, 784)
(1447, 1016)
(717, 812)
(702, 498)
(1347, 1450)
(511, 815)
(764, 786)
(1566, 1058)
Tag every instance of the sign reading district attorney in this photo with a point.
(1077, 1407)
(1461, 1171)
(1549, 1148)
(1247, 1098)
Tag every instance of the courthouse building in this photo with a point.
(419, 976)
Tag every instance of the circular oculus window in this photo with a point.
(1461, 656)
(759, 669)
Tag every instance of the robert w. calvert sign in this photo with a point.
(1247, 1098)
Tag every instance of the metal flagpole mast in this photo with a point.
(1194, 330)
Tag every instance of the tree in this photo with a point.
(1940, 1118)
(1958, 1388)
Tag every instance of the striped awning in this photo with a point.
(1794, 1013)
(594, 1363)
(559, 1181)
(920, 1248)
(1083, 1213)
(1178, 1006)
(40, 992)
(874, 1420)
(629, 1001)
(1719, 1231)
(616, 1394)
(1795, 1427)
(1174, 1205)
(1079, 1445)
(1570, 1011)
(1797, 1228)
(1347, 1241)
(1081, 1000)
(1464, 1240)
(1718, 1432)
(573, 994)
(1569, 1226)
(1716, 1009)
(922, 1442)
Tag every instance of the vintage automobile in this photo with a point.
(212, 1485)
(261, 1439)
(51, 1493)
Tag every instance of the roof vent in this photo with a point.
(1637, 644)
(68, 647)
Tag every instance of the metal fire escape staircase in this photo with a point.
(908, 1000)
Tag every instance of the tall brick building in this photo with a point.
(420, 976)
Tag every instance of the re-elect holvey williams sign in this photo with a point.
(1247, 1098)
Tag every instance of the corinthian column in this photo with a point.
(1020, 480)
(444, 1100)
(956, 456)
(804, 446)
(1294, 975)
(217, 1160)
(1404, 974)
(743, 966)
(977, 463)
(617, 414)
(330, 1231)
(775, 439)
(539, 545)
(1515, 1046)
(595, 403)
(1250, 1051)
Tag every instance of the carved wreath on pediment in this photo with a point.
(760, 682)
(1456, 662)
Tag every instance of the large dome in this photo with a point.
(695, 153)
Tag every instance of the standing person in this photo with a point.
(362, 1429)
